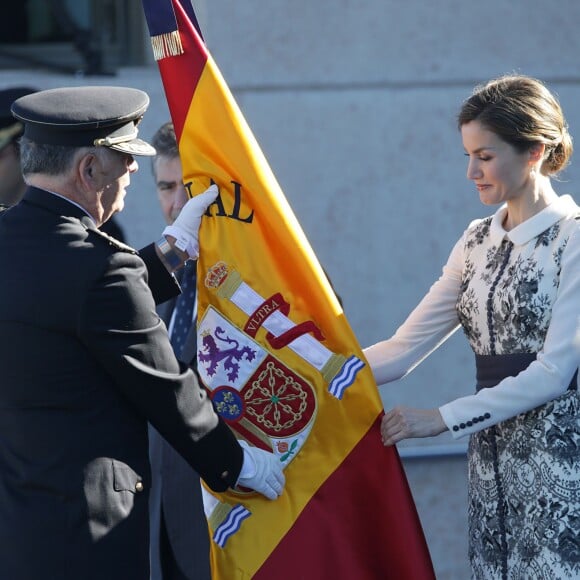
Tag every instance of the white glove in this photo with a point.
(261, 471)
(185, 228)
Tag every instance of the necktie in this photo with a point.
(184, 308)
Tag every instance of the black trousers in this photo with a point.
(170, 569)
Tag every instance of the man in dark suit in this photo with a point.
(179, 534)
(86, 362)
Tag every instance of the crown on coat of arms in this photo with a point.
(216, 275)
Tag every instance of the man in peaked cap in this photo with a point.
(86, 361)
(12, 185)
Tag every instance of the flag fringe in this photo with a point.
(165, 45)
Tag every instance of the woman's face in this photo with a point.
(499, 171)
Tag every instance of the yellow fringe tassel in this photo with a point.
(165, 45)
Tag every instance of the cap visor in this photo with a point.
(134, 147)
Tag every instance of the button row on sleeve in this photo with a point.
(472, 422)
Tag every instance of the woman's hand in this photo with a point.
(405, 423)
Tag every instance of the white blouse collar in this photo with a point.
(534, 226)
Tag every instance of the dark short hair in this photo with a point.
(165, 143)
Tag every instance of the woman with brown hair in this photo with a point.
(512, 282)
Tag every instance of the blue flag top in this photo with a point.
(160, 15)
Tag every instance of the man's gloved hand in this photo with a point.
(185, 228)
(261, 471)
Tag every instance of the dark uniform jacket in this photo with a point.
(85, 363)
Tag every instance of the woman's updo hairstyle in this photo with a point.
(521, 111)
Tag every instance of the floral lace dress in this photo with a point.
(524, 472)
(517, 295)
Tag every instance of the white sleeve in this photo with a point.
(429, 325)
(546, 378)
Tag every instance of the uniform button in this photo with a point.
(470, 423)
(139, 486)
(455, 428)
(481, 418)
(487, 416)
(475, 419)
(462, 425)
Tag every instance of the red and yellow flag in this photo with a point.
(278, 355)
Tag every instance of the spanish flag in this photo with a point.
(278, 356)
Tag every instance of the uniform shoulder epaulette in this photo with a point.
(117, 244)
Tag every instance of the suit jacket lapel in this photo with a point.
(165, 310)
(189, 351)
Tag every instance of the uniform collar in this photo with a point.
(55, 203)
(533, 227)
(64, 207)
